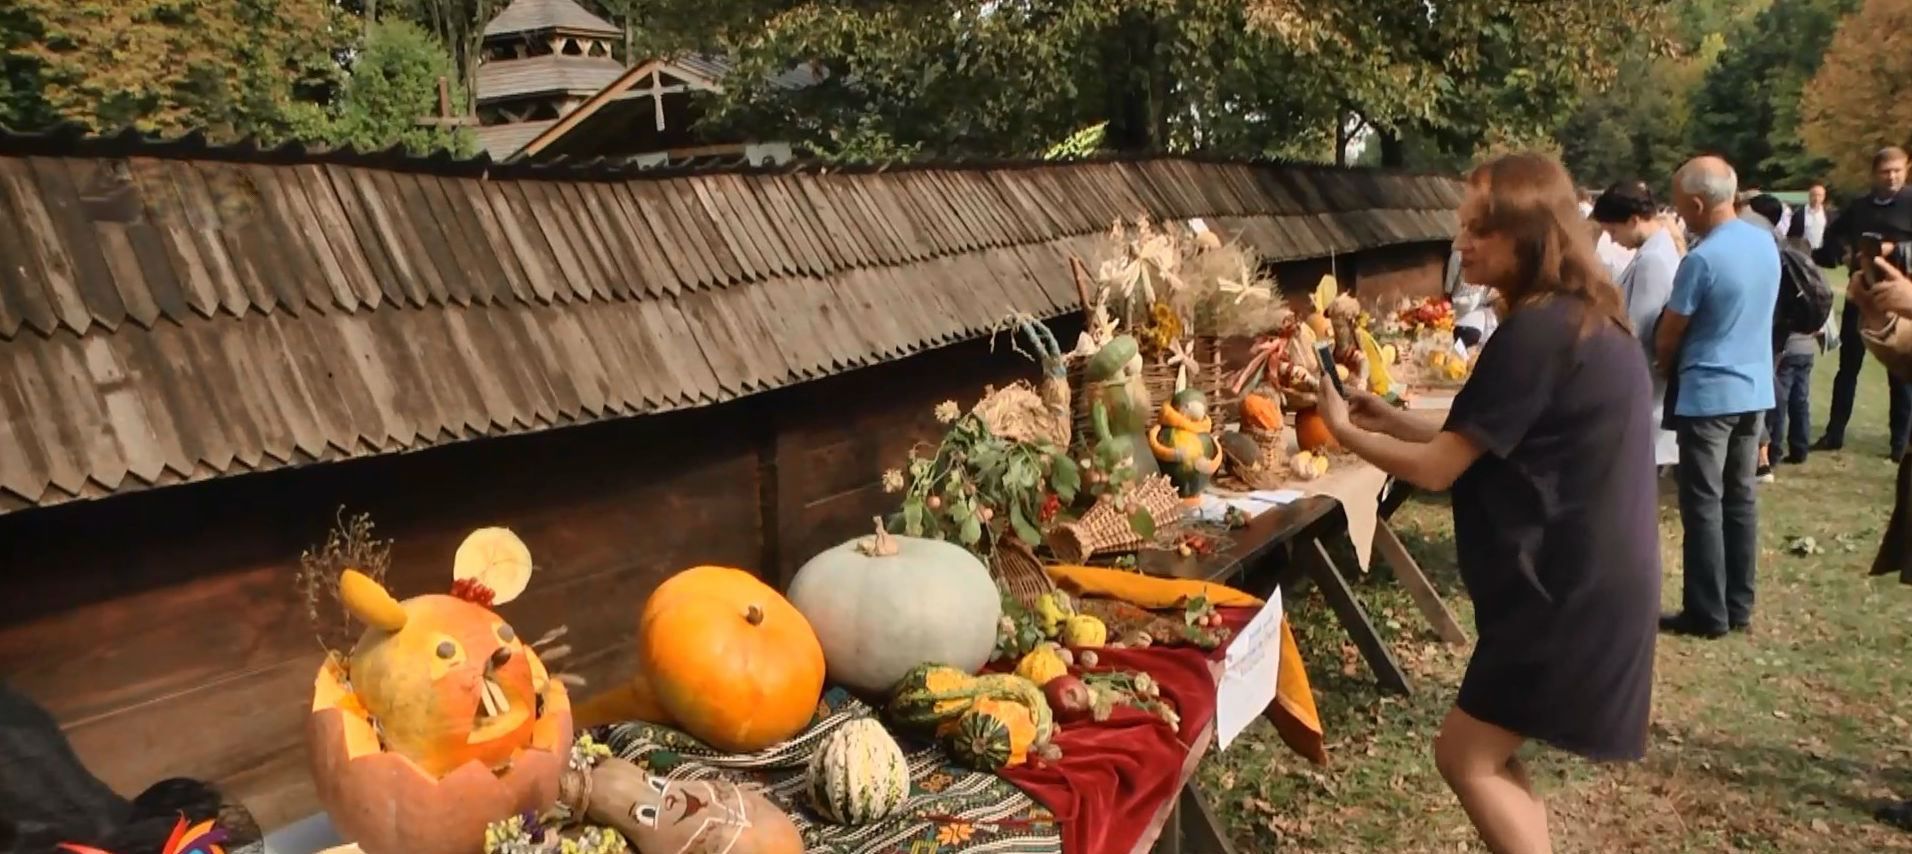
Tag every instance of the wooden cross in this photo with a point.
(444, 118)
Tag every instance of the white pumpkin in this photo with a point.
(859, 775)
(882, 605)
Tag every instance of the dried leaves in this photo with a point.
(349, 545)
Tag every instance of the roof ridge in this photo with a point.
(72, 139)
(526, 16)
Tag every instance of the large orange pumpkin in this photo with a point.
(1311, 431)
(730, 660)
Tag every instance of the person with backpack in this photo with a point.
(1799, 319)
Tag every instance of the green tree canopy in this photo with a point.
(1747, 107)
(1856, 102)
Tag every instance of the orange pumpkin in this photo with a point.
(730, 660)
(635, 700)
(1311, 431)
(1260, 412)
(389, 804)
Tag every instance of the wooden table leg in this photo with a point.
(1203, 833)
(1355, 620)
(1389, 548)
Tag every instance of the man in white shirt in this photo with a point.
(1815, 214)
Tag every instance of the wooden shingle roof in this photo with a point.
(171, 312)
(531, 16)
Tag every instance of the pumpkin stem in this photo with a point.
(754, 616)
(881, 545)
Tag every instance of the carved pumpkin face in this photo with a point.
(450, 683)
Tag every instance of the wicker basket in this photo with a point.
(1270, 470)
(1015, 567)
(1105, 528)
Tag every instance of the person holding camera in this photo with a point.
(1887, 213)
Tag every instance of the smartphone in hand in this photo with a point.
(1325, 353)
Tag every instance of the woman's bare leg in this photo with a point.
(1477, 759)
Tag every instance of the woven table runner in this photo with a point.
(950, 808)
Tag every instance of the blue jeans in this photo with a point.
(1719, 458)
(1790, 422)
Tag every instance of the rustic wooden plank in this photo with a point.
(411, 219)
(83, 417)
(226, 402)
(689, 268)
(126, 271)
(149, 372)
(489, 279)
(664, 326)
(348, 271)
(795, 225)
(711, 210)
(407, 285)
(515, 284)
(37, 380)
(1334, 588)
(792, 326)
(195, 402)
(574, 281)
(527, 243)
(479, 353)
(226, 200)
(241, 345)
(389, 274)
(548, 363)
(25, 467)
(122, 411)
(23, 296)
(861, 190)
(536, 400)
(284, 221)
(836, 193)
(48, 263)
(73, 233)
(701, 235)
(917, 194)
(612, 242)
(396, 400)
(637, 379)
(181, 209)
(462, 406)
(732, 192)
(579, 224)
(846, 247)
(583, 366)
(658, 274)
(281, 388)
(443, 230)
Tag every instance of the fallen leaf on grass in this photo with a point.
(1803, 546)
(1819, 825)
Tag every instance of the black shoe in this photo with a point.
(1795, 459)
(1764, 474)
(1897, 455)
(1740, 628)
(1678, 624)
(1827, 443)
(1898, 814)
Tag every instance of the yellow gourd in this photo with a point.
(1041, 665)
(1084, 631)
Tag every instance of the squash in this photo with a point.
(992, 735)
(884, 604)
(732, 662)
(1308, 466)
(859, 776)
(1083, 630)
(1260, 412)
(933, 696)
(1311, 431)
(1041, 665)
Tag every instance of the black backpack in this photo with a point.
(1805, 300)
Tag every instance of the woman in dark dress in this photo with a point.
(1549, 453)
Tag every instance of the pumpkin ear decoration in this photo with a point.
(369, 601)
(496, 559)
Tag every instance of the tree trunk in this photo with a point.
(1136, 83)
(1393, 153)
(1341, 138)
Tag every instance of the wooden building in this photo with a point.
(206, 352)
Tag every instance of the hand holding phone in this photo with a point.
(1325, 353)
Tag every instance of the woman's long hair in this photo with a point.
(1530, 200)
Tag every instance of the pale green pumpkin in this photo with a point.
(859, 775)
(885, 604)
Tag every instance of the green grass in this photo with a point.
(1777, 741)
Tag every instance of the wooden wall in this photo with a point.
(1416, 270)
(163, 629)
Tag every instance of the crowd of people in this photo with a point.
(1621, 340)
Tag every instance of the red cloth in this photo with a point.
(1116, 776)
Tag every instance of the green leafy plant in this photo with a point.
(974, 485)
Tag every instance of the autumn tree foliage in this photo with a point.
(1857, 102)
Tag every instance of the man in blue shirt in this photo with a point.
(1716, 338)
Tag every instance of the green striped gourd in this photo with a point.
(934, 695)
(859, 775)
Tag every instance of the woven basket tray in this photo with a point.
(1106, 529)
(1016, 570)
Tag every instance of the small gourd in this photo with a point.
(1308, 466)
(859, 776)
(1041, 665)
(933, 697)
(992, 735)
(1311, 431)
(1083, 630)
